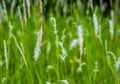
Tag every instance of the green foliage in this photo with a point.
(49, 67)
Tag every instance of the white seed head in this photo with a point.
(52, 19)
(96, 25)
(80, 67)
(1, 63)
(74, 43)
(20, 17)
(41, 11)
(96, 67)
(112, 15)
(4, 80)
(24, 11)
(49, 67)
(63, 54)
(38, 45)
(64, 81)
(28, 7)
(111, 25)
(10, 30)
(80, 38)
(5, 54)
(12, 6)
(47, 83)
(90, 4)
(117, 64)
(80, 34)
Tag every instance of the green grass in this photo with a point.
(36, 72)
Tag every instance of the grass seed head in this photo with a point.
(49, 67)
(64, 81)
(111, 25)
(41, 11)
(38, 45)
(90, 4)
(117, 64)
(63, 54)
(28, 7)
(20, 17)
(24, 11)
(12, 6)
(80, 67)
(80, 38)
(4, 80)
(96, 67)
(5, 54)
(96, 25)
(1, 63)
(10, 30)
(74, 43)
(52, 19)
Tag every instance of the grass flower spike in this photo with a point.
(38, 44)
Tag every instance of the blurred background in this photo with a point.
(65, 7)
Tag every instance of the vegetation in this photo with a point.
(55, 48)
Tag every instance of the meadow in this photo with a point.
(74, 48)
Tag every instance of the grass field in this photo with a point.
(74, 49)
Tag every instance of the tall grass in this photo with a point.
(68, 49)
